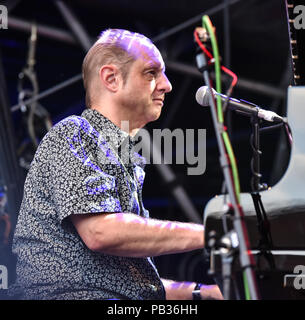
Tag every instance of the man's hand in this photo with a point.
(210, 292)
(183, 290)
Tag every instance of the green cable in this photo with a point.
(233, 165)
(206, 22)
(208, 25)
(247, 292)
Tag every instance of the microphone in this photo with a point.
(203, 98)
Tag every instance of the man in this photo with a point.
(83, 232)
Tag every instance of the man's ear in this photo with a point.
(110, 77)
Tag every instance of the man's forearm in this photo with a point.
(127, 234)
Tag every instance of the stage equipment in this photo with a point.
(276, 234)
(236, 240)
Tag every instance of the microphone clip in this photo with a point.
(202, 63)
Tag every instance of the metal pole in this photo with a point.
(227, 55)
(242, 83)
(76, 27)
(48, 92)
(191, 21)
(238, 220)
(226, 32)
(42, 30)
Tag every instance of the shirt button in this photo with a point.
(154, 288)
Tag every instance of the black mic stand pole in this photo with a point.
(246, 264)
(265, 242)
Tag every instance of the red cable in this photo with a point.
(232, 74)
(224, 69)
(201, 45)
(208, 53)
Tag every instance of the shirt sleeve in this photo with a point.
(81, 182)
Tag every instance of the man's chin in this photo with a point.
(155, 116)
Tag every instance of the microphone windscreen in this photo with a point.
(202, 96)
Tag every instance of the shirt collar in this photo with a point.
(113, 135)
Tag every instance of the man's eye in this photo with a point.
(152, 72)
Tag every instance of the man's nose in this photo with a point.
(164, 84)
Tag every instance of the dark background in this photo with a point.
(253, 41)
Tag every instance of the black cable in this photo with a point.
(270, 128)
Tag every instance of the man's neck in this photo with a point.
(124, 122)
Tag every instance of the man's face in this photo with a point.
(143, 94)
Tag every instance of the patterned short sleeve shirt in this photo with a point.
(84, 165)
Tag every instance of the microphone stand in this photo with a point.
(265, 242)
(247, 264)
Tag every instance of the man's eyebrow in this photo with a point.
(155, 65)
